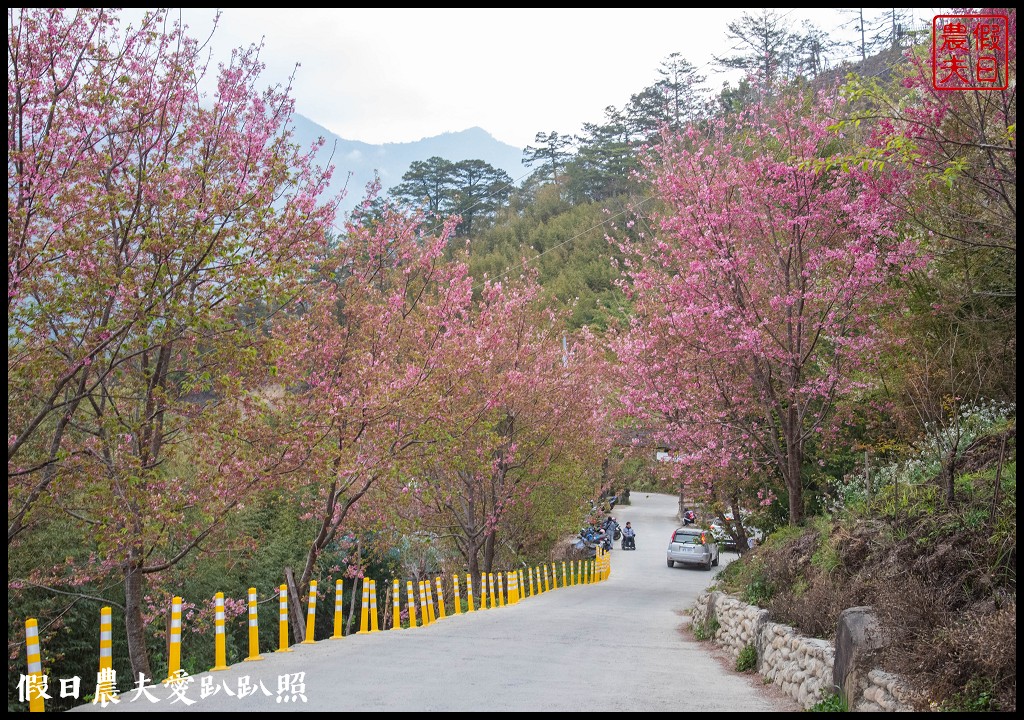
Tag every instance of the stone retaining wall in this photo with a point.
(804, 667)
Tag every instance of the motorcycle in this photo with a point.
(689, 517)
(587, 542)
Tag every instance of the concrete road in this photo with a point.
(610, 646)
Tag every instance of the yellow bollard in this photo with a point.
(396, 606)
(424, 615)
(220, 648)
(254, 628)
(554, 576)
(490, 588)
(35, 688)
(533, 590)
(311, 614)
(174, 649)
(469, 592)
(483, 591)
(339, 609)
(411, 603)
(501, 591)
(520, 584)
(440, 600)
(430, 602)
(106, 639)
(458, 596)
(565, 577)
(364, 609)
(512, 589)
(547, 580)
(373, 607)
(283, 619)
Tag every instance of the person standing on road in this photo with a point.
(610, 527)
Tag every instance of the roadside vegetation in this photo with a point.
(941, 577)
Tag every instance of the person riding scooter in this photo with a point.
(628, 537)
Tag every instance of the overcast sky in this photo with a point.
(402, 74)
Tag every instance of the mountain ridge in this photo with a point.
(356, 162)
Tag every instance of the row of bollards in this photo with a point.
(496, 590)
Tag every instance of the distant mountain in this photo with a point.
(392, 160)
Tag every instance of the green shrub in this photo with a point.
(758, 592)
(832, 703)
(747, 659)
(976, 697)
(706, 630)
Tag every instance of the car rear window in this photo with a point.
(688, 538)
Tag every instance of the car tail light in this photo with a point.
(703, 539)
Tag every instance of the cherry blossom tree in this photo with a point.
(757, 300)
(522, 415)
(151, 231)
(352, 365)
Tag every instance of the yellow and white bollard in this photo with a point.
(565, 577)
(220, 653)
(441, 614)
(254, 628)
(424, 614)
(510, 584)
(501, 591)
(490, 587)
(547, 579)
(339, 609)
(469, 592)
(396, 605)
(174, 647)
(374, 627)
(411, 604)
(533, 590)
(282, 620)
(572, 572)
(364, 608)
(483, 591)
(430, 602)
(106, 639)
(458, 596)
(311, 615)
(35, 667)
(554, 576)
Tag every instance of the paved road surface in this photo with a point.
(610, 646)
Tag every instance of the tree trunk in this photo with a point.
(949, 475)
(134, 628)
(489, 546)
(356, 590)
(794, 468)
(295, 614)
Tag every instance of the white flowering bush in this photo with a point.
(963, 426)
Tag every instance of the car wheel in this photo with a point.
(707, 565)
(715, 561)
(671, 564)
